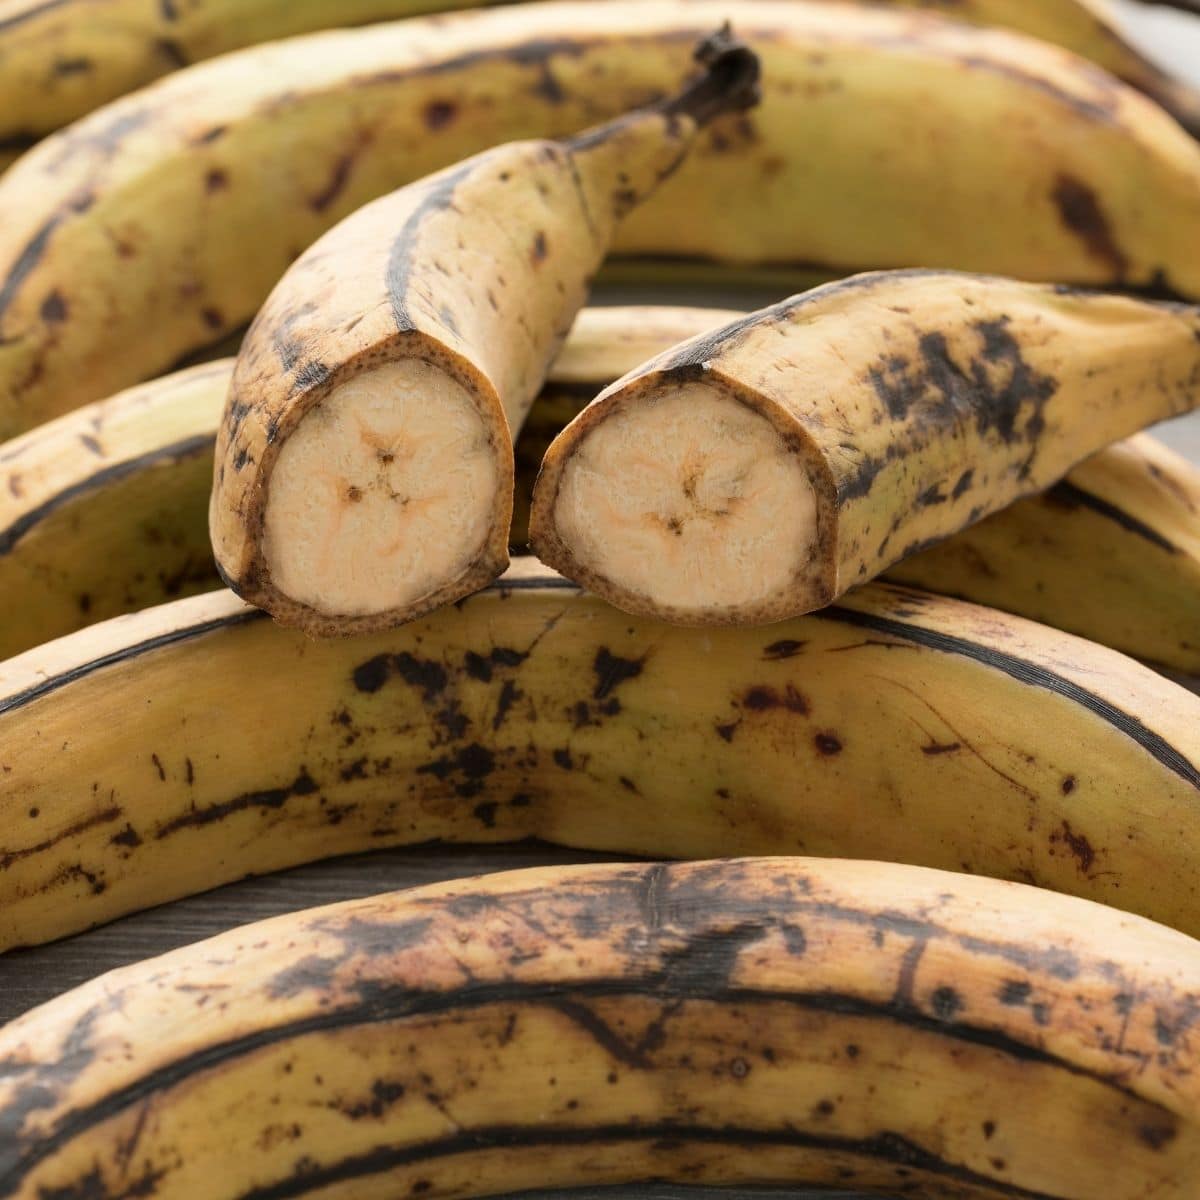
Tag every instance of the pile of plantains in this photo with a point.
(842, 600)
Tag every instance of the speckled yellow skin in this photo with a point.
(255, 154)
(476, 272)
(529, 710)
(787, 1020)
(122, 490)
(912, 404)
(61, 61)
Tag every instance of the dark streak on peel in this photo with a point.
(176, 452)
(1068, 495)
(1028, 673)
(46, 686)
(886, 1147)
(439, 195)
(378, 1002)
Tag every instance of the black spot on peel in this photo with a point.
(509, 695)
(787, 648)
(1079, 209)
(215, 180)
(946, 1003)
(127, 837)
(611, 671)
(964, 484)
(562, 758)
(54, 308)
(437, 114)
(430, 676)
(828, 744)
(1068, 785)
(726, 730)
(935, 748)
(172, 51)
(212, 318)
(1077, 844)
(373, 674)
(1015, 993)
(485, 813)
(1160, 1134)
(466, 769)
(762, 699)
(539, 250)
(65, 67)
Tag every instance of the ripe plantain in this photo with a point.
(760, 470)
(65, 59)
(364, 461)
(786, 1020)
(105, 510)
(883, 139)
(169, 751)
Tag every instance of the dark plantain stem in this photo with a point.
(730, 83)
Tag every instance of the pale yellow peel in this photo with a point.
(384, 492)
(709, 512)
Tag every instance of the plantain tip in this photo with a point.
(730, 83)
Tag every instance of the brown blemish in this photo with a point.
(946, 1003)
(762, 698)
(611, 671)
(353, 494)
(162, 775)
(934, 748)
(1068, 785)
(786, 648)
(92, 444)
(828, 744)
(540, 249)
(1078, 845)
(1080, 211)
(215, 180)
(212, 318)
(437, 114)
(54, 308)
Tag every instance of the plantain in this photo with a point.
(63, 60)
(165, 752)
(1112, 552)
(178, 208)
(105, 510)
(784, 1020)
(760, 470)
(364, 462)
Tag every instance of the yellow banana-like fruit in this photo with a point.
(364, 461)
(1111, 553)
(65, 59)
(760, 470)
(177, 208)
(106, 510)
(786, 1020)
(163, 753)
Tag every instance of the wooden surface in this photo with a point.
(30, 977)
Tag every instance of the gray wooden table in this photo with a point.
(30, 977)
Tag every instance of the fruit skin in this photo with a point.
(166, 752)
(906, 404)
(784, 1020)
(106, 510)
(477, 273)
(64, 60)
(180, 206)
(1112, 553)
